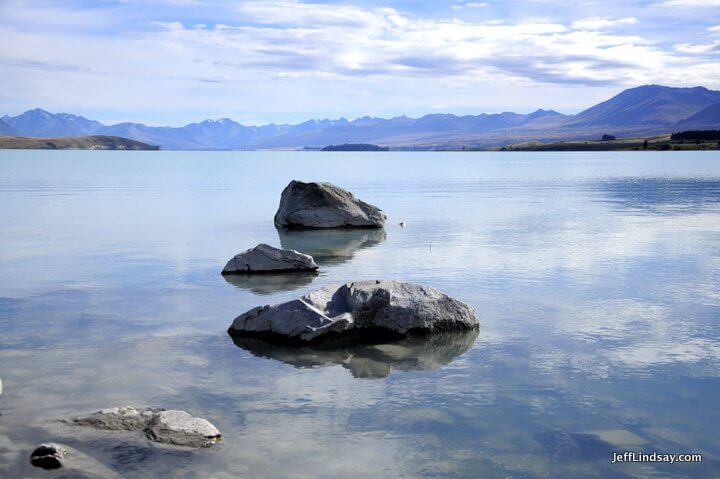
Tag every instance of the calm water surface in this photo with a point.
(595, 277)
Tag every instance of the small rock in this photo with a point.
(402, 224)
(324, 205)
(363, 309)
(267, 259)
(181, 429)
(48, 456)
(171, 427)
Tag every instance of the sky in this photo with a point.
(172, 62)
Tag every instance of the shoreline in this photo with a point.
(93, 142)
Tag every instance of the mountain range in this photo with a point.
(645, 110)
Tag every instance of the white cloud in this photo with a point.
(310, 55)
(597, 23)
(296, 13)
(694, 48)
(29, 15)
(470, 5)
(688, 3)
(316, 40)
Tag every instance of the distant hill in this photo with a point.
(652, 105)
(95, 142)
(7, 130)
(636, 112)
(42, 124)
(226, 134)
(707, 118)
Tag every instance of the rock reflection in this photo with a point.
(332, 246)
(416, 353)
(265, 284)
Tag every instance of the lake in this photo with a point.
(595, 276)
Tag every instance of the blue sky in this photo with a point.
(171, 62)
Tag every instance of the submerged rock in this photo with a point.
(324, 205)
(170, 427)
(360, 310)
(560, 444)
(181, 429)
(267, 259)
(48, 456)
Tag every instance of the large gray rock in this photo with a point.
(170, 427)
(181, 429)
(267, 259)
(324, 205)
(363, 310)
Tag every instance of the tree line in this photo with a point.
(707, 135)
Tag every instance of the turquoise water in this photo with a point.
(595, 277)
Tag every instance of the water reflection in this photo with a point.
(417, 353)
(664, 196)
(560, 445)
(332, 246)
(595, 276)
(265, 284)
